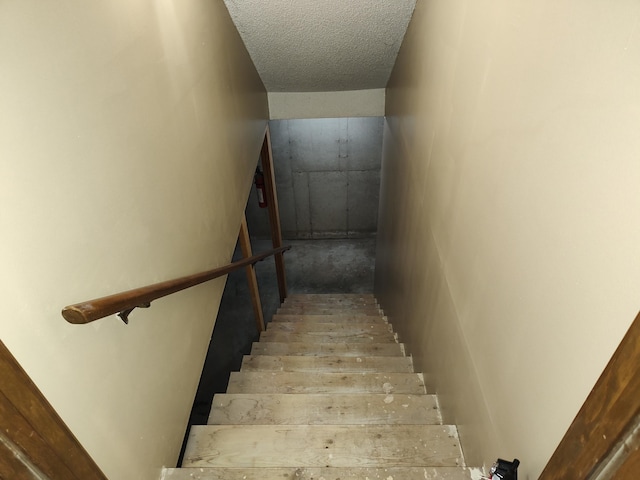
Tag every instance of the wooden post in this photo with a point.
(245, 245)
(274, 213)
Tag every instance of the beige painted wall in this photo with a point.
(129, 131)
(509, 238)
(352, 103)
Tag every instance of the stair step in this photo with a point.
(371, 307)
(326, 364)
(360, 409)
(323, 327)
(329, 304)
(329, 299)
(304, 473)
(328, 349)
(342, 318)
(328, 310)
(309, 473)
(328, 337)
(322, 446)
(302, 382)
(331, 296)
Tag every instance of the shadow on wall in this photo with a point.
(327, 178)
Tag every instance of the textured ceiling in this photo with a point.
(322, 45)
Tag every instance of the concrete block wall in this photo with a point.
(327, 177)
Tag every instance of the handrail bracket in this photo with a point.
(124, 314)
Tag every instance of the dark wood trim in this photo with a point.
(245, 245)
(266, 156)
(605, 418)
(11, 467)
(30, 423)
(92, 310)
(630, 468)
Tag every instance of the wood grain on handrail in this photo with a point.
(92, 310)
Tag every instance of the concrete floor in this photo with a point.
(312, 266)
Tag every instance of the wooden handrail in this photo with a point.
(123, 303)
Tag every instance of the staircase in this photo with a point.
(327, 394)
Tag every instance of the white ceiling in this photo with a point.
(322, 45)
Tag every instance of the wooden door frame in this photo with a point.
(266, 158)
(266, 161)
(36, 443)
(605, 421)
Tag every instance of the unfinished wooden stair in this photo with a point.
(327, 394)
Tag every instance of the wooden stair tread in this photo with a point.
(359, 409)
(322, 446)
(341, 318)
(286, 363)
(334, 304)
(310, 473)
(329, 310)
(330, 296)
(332, 301)
(317, 327)
(363, 307)
(323, 349)
(356, 302)
(302, 382)
(328, 337)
